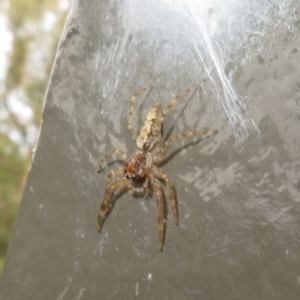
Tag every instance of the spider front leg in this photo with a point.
(108, 154)
(115, 172)
(161, 210)
(130, 115)
(107, 197)
(163, 176)
(168, 142)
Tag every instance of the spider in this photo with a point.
(141, 172)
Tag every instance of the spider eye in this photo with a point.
(137, 164)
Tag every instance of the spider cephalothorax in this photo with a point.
(141, 170)
(138, 166)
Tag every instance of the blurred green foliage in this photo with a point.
(12, 171)
(35, 27)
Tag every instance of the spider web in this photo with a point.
(205, 42)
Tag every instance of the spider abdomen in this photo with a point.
(150, 133)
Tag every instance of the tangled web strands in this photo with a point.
(186, 26)
(192, 41)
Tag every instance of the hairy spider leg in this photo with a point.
(161, 210)
(132, 104)
(175, 138)
(115, 172)
(108, 154)
(174, 100)
(165, 178)
(107, 197)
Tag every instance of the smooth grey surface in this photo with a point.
(238, 200)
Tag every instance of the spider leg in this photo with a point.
(162, 175)
(112, 173)
(161, 210)
(108, 154)
(175, 138)
(130, 115)
(174, 100)
(107, 197)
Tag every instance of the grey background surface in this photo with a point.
(238, 200)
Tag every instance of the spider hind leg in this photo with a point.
(174, 100)
(171, 140)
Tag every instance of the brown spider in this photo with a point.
(141, 169)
